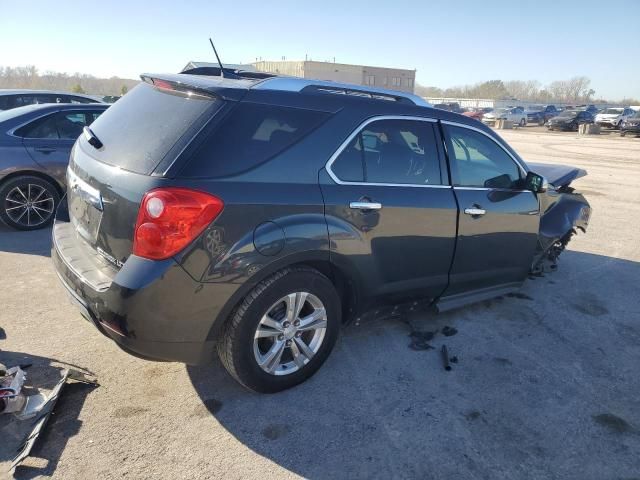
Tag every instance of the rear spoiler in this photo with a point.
(231, 73)
(213, 87)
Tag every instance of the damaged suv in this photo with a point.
(252, 215)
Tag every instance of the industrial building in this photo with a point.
(380, 77)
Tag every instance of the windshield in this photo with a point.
(613, 111)
(569, 113)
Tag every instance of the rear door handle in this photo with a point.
(474, 211)
(45, 149)
(365, 205)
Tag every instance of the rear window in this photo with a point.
(141, 128)
(250, 135)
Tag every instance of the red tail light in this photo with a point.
(171, 218)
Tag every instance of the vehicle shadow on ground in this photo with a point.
(36, 242)
(43, 373)
(534, 370)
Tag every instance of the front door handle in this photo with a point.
(365, 205)
(474, 211)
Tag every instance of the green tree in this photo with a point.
(77, 88)
(123, 90)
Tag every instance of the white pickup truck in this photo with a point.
(613, 117)
(514, 114)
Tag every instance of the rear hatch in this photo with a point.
(125, 154)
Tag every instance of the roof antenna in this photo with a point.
(219, 62)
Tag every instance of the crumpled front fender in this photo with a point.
(569, 211)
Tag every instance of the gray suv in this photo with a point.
(253, 215)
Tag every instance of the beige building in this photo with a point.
(390, 78)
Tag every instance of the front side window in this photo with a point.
(401, 152)
(480, 161)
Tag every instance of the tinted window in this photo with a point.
(480, 161)
(391, 151)
(250, 135)
(65, 125)
(140, 129)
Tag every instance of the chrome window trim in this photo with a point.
(355, 132)
(469, 127)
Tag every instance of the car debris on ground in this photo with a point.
(26, 407)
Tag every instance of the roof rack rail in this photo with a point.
(293, 84)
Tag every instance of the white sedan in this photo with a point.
(515, 115)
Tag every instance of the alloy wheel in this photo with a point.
(29, 205)
(290, 333)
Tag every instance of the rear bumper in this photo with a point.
(151, 309)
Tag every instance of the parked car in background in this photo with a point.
(35, 142)
(477, 113)
(592, 109)
(613, 117)
(569, 120)
(631, 124)
(514, 114)
(449, 107)
(19, 98)
(541, 113)
(181, 245)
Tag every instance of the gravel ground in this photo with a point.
(547, 383)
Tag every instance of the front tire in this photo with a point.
(28, 202)
(283, 331)
(523, 122)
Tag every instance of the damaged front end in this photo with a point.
(564, 211)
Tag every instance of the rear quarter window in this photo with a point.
(250, 135)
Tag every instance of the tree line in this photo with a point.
(575, 90)
(30, 78)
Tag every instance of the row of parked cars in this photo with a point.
(626, 119)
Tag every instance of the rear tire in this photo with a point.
(256, 330)
(28, 202)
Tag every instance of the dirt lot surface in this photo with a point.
(547, 384)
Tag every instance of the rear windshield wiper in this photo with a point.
(91, 138)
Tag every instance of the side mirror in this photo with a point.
(536, 183)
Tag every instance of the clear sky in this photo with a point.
(448, 42)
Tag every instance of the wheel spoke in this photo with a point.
(41, 217)
(295, 302)
(22, 193)
(43, 209)
(298, 357)
(304, 348)
(38, 196)
(14, 208)
(272, 359)
(266, 333)
(314, 321)
(14, 201)
(270, 322)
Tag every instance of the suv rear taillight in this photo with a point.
(171, 218)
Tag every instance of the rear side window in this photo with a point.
(65, 125)
(142, 127)
(400, 152)
(250, 135)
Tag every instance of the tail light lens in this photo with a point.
(171, 218)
